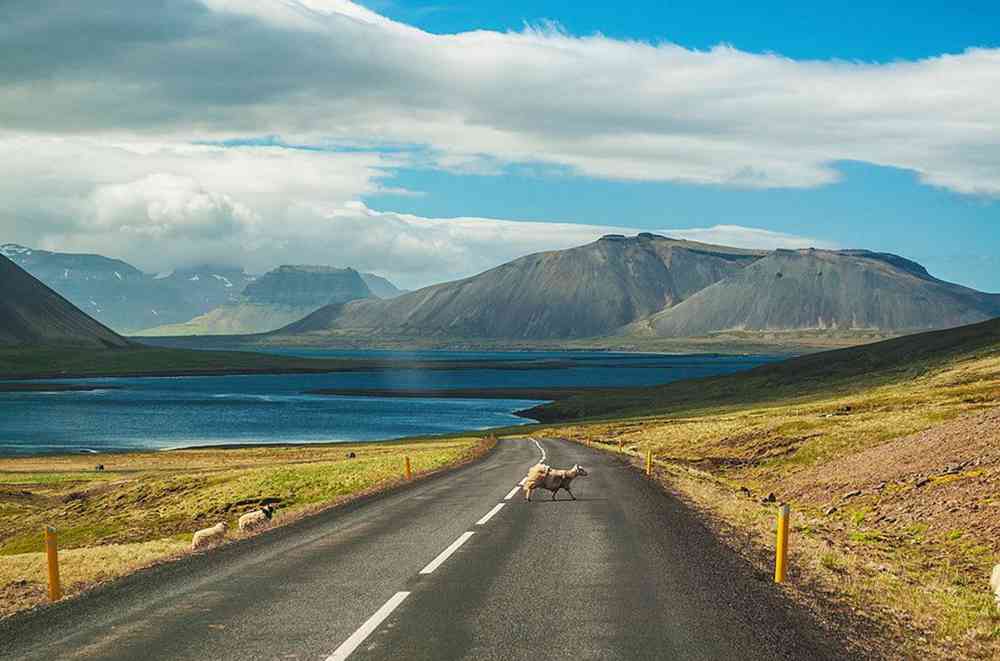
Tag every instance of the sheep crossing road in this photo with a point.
(455, 567)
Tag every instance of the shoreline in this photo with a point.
(404, 440)
(537, 394)
(55, 387)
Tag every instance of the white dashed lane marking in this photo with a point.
(436, 562)
(512, 492)
(489, 515)
(367, 628)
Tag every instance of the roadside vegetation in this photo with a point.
(143, 507)
(889, 455)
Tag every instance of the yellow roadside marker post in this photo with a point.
(52, 553)
(649, 462)
(409, 472)
(781, 554)
(621, 445)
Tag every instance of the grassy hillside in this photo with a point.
(139, 360)
(889, 455)
(56, 362)
(818, 374)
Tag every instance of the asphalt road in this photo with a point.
(622, 573)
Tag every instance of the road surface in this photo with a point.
(449, 568)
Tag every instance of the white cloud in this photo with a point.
(603, 107)
(164, 206)
(416, 251)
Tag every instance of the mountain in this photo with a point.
(277, 298)
(581, 292)
(32, 315)
(123, 297)
(822, 289)
(381, 287)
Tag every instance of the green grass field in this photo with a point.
(144, 506)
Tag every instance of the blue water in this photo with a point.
(170, 412)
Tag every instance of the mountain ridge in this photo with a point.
(34, 315)
(579, 292)
(825, 289)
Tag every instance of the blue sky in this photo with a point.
(957, 237)
(855, 30)
(428, 141)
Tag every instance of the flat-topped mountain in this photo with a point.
(33, 315)
(304, 285)
(118, 294)
(822, 289)
(279, 297)
(581, 292)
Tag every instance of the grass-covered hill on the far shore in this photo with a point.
(56, 362)
(829, 372)
(141, 360)
(889, 455)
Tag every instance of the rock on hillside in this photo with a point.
(581, 292)
(33, 315)
(820, 289)
(279, 297)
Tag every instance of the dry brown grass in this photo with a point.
(23, 576)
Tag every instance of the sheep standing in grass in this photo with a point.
(209, 536)
(542, 476)
(256, 519)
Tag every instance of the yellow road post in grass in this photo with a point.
(649, 462)
(52, 553)
(621, 445)
(781, 551)
(409, 472)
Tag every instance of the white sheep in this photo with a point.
(256, 519)
(995, 584)
(208, 536)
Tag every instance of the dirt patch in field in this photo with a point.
(945, 478)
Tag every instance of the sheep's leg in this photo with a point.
(527, 496)
(554, 492)
(570, 493)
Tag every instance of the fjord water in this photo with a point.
(171, 412)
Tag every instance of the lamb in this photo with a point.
(553, 479)
(995, 584)
(256, 519)
(209, 536)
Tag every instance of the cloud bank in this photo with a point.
(101, 107)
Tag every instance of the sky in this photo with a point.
(432, 140)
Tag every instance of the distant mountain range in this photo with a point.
(124, 298)
(277, 298)
(581, 292)
(651, 285)
(33, 315)
(645, 286)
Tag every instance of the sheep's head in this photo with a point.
(579, 470)
(269, 510)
